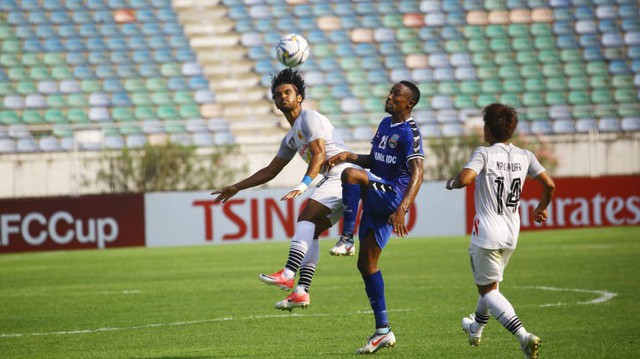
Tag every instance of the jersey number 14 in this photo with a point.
(513, 197)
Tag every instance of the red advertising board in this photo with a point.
(579, 202)
(97, 221)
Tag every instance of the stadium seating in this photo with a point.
(159, 69)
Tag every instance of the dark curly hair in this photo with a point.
(501, 120)
(415, 92)
(289, 76)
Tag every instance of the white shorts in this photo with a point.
(488, 264)
(328, 192)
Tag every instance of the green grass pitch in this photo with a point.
(207, 302)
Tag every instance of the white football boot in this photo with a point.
(344, 247)
(530, 346)
(474, 337)
(377, 342)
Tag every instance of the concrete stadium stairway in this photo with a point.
(241, 99)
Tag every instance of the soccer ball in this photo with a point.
(292, 50)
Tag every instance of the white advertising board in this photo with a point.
(192, 218)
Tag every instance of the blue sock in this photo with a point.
(374, 286)
(350, 200)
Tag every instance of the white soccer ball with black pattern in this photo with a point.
(292, 50)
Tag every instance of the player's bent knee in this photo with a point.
(351, 175)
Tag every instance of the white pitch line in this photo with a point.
(191, 322)
(603, 295)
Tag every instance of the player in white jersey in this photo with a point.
(314, 138)
(499, 172)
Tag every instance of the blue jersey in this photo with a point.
(393, 146)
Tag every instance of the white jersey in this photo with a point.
(308, 127)
(502, 170)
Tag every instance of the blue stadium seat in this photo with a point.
(49, 144)
(7, 145)
(608, 125)
(59, 17)
(53, 45)
(630, 124)
(81, 17)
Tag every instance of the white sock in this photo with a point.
(504, 313)
(302, 240)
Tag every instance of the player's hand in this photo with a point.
(224, 194)
(450, 183)
(396, 219)
(293, 194)
(540, 215)
(336, 160)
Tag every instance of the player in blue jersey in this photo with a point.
(388, 191)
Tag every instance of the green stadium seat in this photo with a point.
(579, 98)
(122, 114)
(600, 82)
(140, 98)
(487, 72)
(144, 113)
(491, 86)
(553, 98)
(319, 92)
(349, 63)
(482, 58)
(628, 110)
(499, 45)
(167, 113)
(170, 70)
(62, 130)
(494, 5)
(76, 115)
(448, 88)
(128, 128)
(518, 30)
(455, 46)
(133, 85)
(503, 58)
(522, 44)
(541, 29)
(39, 73)
(53, 58)
(534, 85)
(161, 98)
(77, 100)
(556, 84)
(174, 127)
(56, 101)
(573, 69)
(392, 20)
(322, 50)
(356, 77)
(532, 99)
(6, 31)
(511, 99)
(409, 47)
(152, 84)
(469, 87)
(31, 59)
(427, 89)
(476, 45)
(628, 95)
(90, 86)
(537, 114)
(189, 111)
(548, 57)
(32, 117)
(54, 116)
(61, 73)
(530, 71)
(552, 70)
(495, 31)
(606, 111)
(183, 98)
(330, 106)
(579, 112)
(484, 100)
(509, 72)
(622, 82)
(9, 117)
(380, 90)
(464, 101)
(9, 60)
(11, 46)
(597, 68)
(571, 55)
(26, 88)
(406, 34)
(544, 43)
(578, 83)
(526, 57)
(372, 104)
(513, 86)
(473, 32)
(18, 74)
(6, 88)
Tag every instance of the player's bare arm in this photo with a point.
(262, 176)
(397, 219)
(548, 187)
(363, 161)
(316, 149)
(463, 179)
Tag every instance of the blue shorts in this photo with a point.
(381, 200)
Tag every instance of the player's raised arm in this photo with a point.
(315, 165)
(363, 161)
(548, 187)
(262, 176)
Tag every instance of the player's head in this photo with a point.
(500, 121)
(287, 89)
(402, 98)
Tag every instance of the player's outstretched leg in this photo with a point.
(344, 247)
(278, 279)
(297, 299)
(473, 330)
(530, 346)
(378, 341)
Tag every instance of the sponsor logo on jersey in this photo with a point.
(393, 141)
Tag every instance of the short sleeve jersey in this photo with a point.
(392, 147)
(502, 170)
(308, 127)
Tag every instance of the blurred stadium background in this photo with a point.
(81, 76)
